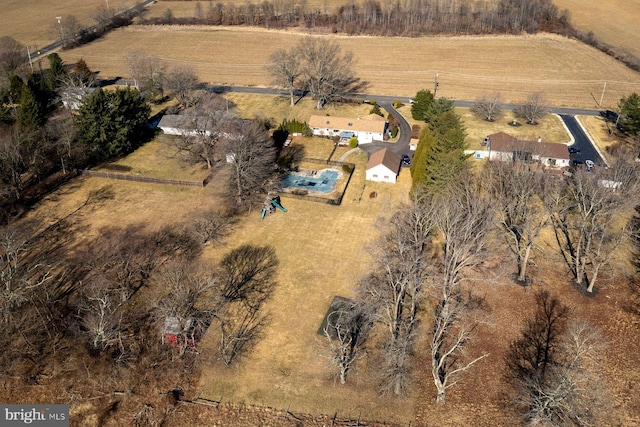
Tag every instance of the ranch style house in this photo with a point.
(366, 128)
(502, 146)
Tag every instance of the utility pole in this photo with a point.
(59, 18)
(435, 85)
(30, 61)
(602, 96)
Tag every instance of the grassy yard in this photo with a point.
(158, 159)
(569, 73)
(322, 254)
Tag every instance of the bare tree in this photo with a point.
(186, 308)
(240, 330)
(488, 107)
(327, 72)
(66, 30)
(346, 330)
(101, 313)
(394, 290)
(12, 56)
(549, 368)
(103, 17)
(533, 109)
(586, 216)
(183, 82)
(146, 71)
(518, 191)
(463, 220)
(285, 69)
(213, 226)
(247, 280)
(252, 154)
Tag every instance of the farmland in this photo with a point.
(613, 22)
(568, 72)
(30, 21)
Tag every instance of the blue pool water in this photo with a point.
(322, 183)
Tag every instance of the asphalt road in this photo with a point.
(581, 142)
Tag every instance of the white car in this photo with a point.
(589, 164)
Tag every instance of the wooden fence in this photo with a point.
(139, 178)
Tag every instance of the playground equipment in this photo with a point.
(270, 205)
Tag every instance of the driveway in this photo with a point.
(582, 142)
(399, 147)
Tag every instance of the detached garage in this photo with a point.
(383, 166)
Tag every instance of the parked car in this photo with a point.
(609, 115)
(406, 160)
(589, 164)
(574, 150)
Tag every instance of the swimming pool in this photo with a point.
(310, 181)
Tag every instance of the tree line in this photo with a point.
(412, 18)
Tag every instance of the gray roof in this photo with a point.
(185, 123)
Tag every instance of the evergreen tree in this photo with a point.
(34, 99)
(113, 123)
(421, 104)
(440, 154)
(437, 108)
(630, 111)
(55, 72)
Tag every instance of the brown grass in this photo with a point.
(158, 159)
(30, 21)
(568, 72)
(614, 22)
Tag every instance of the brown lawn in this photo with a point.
(569, 73)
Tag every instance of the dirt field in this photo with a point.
(568, 72)
(615, 22)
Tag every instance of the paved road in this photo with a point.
(390, 99)
(582, 142)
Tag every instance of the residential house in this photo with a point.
(174, 124)
(73, 97)
(502, 146)
(366, 128)
(383, 166)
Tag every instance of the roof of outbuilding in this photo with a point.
(385, 157)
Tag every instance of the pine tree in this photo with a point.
(113, 123)
(440, 154)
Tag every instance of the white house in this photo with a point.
(174, 124)
(502, 146)
(367, 128)
(383, 166)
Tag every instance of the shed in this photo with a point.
(383, 166)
